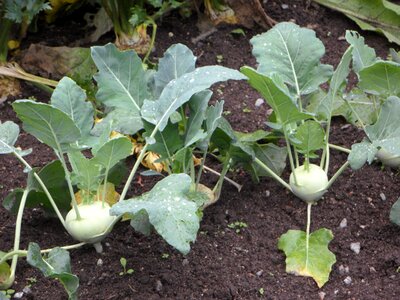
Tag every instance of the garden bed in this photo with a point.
(223, 263)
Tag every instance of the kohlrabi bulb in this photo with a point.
(311, 183)
(95, 221)
(388, 159)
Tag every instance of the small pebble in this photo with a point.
(343, 270)
(372, 270)
(343, 223)
(185, 262)
(267, 193)
(355, 247)
(99, 262)
(285, 6)
(27, 290)
(383, 196)
(321, 295)
(345, 126)
(259, 273)
(341, 38)
(259, 102)
(347, 280)
(392, 276)
(170, 34)
(18, 295)
(159, 286)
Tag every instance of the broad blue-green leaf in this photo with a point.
(179, 91)
(360, 154)
(311, 137)
(121, 79)
(363, 56)
(374, 15)
(294, 53)
(47, 123)
(339, 77)
(120, 120)
(213, 116)
(395, 213)
(56, 265)
(141, 223)
(385, 133)
(358, 107)
(112, 152)
(382, 77)
(177, 61)
(9, 132)
(285, 110)
(71, 99)
(86, 173)
(53, 176)
(173, 216)
(317, 263)
(198, 107)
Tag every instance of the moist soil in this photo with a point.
(224, 264)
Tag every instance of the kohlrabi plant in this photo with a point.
(88, 158)
(289, 73)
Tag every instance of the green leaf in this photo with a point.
(53, 177)
(167, 142)
(294, 53)
(47, 123)
(198, 105)
(141, 223)
(363, 56)
(9, 132)
(320, 258)
(177, 61)
(385, 133)
(86, 173)
(179, 91)
(57, 265)
(5, 273)
(311, 137)
(337, 81)
(25, 10)
(252, 137)
(365, 107)
(395, 213)
(382, 77)
(360, 154)
(120, 120)
(121, 78)
(112, 152)
(283, 106)
(173, 216)
(271, 155)
(374, 15)
(71, 99)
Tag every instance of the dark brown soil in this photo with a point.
(224, 264)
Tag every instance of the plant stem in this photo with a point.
(217, 188)
(337, 174)
(104, 189)
(133, 172)
(18, 225)
(273, 174)
(44, 188)
(202, 163)
(289, 150)
(340, 148)
(235, 184)
(22, 253)
(68, 178)
(153, 38)
(327, 152)
(308, 232)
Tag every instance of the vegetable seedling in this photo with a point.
(289, 72)
(237, 226)
(125, 271)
